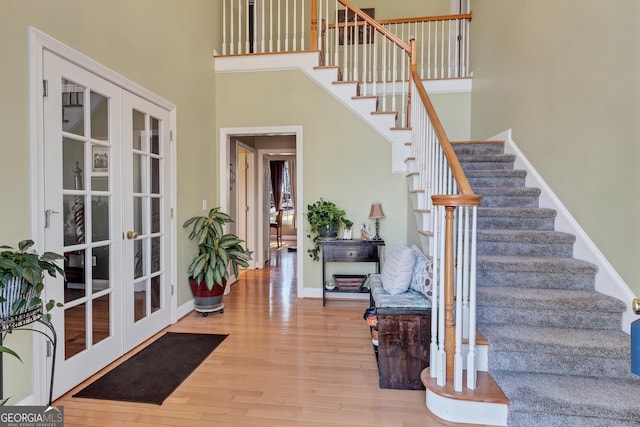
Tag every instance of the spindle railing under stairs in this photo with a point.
(386, 66)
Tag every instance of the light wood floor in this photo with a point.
(286, 362)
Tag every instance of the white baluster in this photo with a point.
(458, 365)
(279, 37)
(286, 26)
(239, 26)
(224, 27)
(247, 25)
(472, 370)
(442, 51)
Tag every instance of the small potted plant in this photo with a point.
(22, 276)
(209, 270)
(324, 219)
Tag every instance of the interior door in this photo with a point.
(106, 208)
(81, 194)
(146, 214)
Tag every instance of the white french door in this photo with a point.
(107, 210)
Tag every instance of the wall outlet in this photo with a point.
(204, 205)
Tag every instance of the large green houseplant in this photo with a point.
(325, 219)
(209, 269)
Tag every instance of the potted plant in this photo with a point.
(209, 270)
(324, 219)
(22, 276)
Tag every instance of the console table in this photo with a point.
(348, 251)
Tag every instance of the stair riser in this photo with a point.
(489, 201)
(561, 318)
(495, 182)
(515, 223)
(540, 362)
(506, 165)
(561, 250)
(475, 149)
(535, 280)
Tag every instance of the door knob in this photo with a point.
(131, 235)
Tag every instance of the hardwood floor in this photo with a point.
(286, 362)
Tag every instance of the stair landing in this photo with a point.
(486, 405)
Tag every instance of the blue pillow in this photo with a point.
(422, 276)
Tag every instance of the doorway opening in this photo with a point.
(268, 144)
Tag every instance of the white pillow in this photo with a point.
(422, 278)
(398, 269)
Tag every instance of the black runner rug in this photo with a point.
(153, 373)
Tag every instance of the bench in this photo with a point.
(404, 335)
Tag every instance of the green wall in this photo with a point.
(163, 45)
(564, 76)
(344, 160)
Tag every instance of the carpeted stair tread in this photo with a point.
(490, 158)
(499, 173)
(516, 212)
(559, 350)
(525, 236)
(515, 218)
(597, 343)
(533, 272)
(549, 299)
(537, 243)
(562, 400)
(462, 148)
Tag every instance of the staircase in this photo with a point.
(556, 345)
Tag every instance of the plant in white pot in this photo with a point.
(209, 269)
(22, 275)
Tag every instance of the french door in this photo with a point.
(107, 210)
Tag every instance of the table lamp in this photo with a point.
(376, 213)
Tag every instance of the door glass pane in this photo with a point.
(99, 117)
(100, 261)
(155, 293)
(138, 259)
(74, 219)
(137, 173)
(140, 302)
(155, 176)
(72, 107)
(99, 218)
(100, 159)
(72, 164)
(139, 128)
(137, 214)
(74, 268)
(155, 254)
(101, 318)
(75, 330)
(155, 215)
(155, 135)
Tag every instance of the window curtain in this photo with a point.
(276, 167)
(293, 179)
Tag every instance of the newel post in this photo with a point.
(314, 25)
(449, 318)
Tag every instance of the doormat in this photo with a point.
(153, 373)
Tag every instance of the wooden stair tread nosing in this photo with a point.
(486, 391)
(480, 339)
(412, 174)
(408, 143)
(402, 129)
(422, 210)
(416, 191)
(385, 112)
(365, 97)
(408, 159)
(426, 233)
(321, 67)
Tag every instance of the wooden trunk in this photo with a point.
(404, 336)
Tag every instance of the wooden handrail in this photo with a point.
(408, 20)
(461, 179)
(379, 28)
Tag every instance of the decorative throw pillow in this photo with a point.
(397, 269)
(422, 277)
